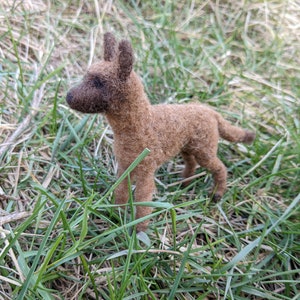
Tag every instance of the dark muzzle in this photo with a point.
(69, 98)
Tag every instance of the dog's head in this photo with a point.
(106, 82)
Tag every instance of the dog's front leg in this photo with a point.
(121, 192)
(145, 188)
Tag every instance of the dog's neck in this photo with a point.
(134, 110)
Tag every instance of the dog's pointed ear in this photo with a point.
(126, 59)
(110, 46)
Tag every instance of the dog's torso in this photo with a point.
(166, 130)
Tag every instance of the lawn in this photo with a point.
(62, 237)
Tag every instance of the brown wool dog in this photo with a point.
(112, 88)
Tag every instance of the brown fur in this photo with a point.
(111, 87)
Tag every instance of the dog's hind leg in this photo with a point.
(190, 166)
(214, 165)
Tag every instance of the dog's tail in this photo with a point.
(233, 133)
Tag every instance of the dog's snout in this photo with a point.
(69, 97)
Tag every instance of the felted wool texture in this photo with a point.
(112, 88)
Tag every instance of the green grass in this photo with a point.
(61, 237)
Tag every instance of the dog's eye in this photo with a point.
(98, 83)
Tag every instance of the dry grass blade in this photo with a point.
(13, 217)
(12, 140)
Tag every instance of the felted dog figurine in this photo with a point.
(112, 88)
